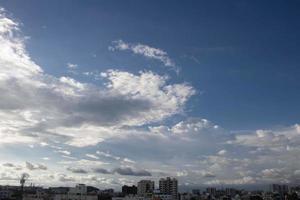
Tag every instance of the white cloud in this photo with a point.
(92, 156)
(222, 152)
(66, 178)
(239, 181)
(84, 163)
(65, 152)
(128, 160)
(108, 155)
(144, 50)
(72, 66)
(43, 144)
(36, 107)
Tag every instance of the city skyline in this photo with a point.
(107, 93)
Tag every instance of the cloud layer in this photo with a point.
(33, 102)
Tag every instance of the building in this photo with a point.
(77, 193)
(212, 191)
(279, 191)
(196, 191)
(132, 198)
(58, 190)
(107, 191)
(230, 192)
(162, 197)
(145, 188)
(279, 188)
(169, 186)
(129, 190)
(106, 194)
(157, 195)
(5, 194)
(79, 189)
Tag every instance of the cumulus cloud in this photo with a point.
(144, 50)
(33, 102)
(50, 103)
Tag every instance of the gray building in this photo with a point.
(169, 186)
(145, 188)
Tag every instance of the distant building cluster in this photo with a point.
(276, 192)
(146, 190)
(79, 192)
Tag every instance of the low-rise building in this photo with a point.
(129, 190)
(77, 193)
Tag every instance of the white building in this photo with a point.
(169, 186)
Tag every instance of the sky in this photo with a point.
(111, 92)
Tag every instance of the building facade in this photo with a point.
(129, 190)
(77, 193)
(169, 186)
(145, 187)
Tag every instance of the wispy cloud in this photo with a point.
(92, 156)
(65, 152)
(108, 155)
(146, 51)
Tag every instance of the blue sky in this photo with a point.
(242, 55)
(189, 72)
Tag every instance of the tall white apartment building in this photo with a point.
(169, 186)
